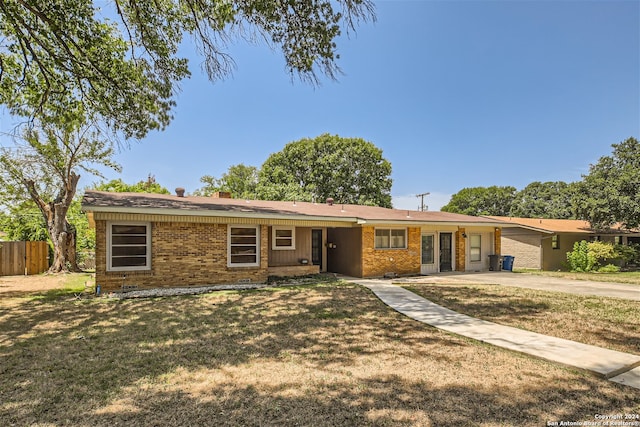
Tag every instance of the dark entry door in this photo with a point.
(445, 252)
(316, 247)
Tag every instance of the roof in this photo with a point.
(101, 201)
(558, 225)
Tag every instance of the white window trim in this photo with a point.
(246, 264)
(406, 238)
(273, 238)
(478, 247)
(147, 266)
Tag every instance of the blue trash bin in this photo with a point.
(507, 262)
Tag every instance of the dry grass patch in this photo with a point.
(323, 355)
(606, 322)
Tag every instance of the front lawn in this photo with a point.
(605, 322)
(323, 355)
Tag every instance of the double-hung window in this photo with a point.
(391, 238)
(128, 246)
(244, 246)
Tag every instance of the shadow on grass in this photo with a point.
(276, 357)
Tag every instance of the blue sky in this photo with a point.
(456, 94)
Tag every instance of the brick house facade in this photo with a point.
(150, 241)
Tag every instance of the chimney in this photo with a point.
(221, 195)
(180, 192)
(330, 201)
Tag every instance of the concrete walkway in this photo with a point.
(544, 283)
(620, 367)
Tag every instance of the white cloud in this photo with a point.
(433, 201)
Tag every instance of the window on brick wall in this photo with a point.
(244, 246)
(391, 238)
(128, 246)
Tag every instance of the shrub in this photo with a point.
(580, 259)
(589, 256)
(609, 268)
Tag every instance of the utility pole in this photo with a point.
(422, 207)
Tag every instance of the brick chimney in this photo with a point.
(221, 195)
(180, 192)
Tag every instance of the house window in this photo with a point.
(391, 238)
(427, 249)
(475, 248)
(555, 242)
(283, 238)
(128, 246)
(244, 246)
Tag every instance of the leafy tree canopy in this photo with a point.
(544, 200)
(610, 192)
(482, 201)
(118, 61)
(240, 180)
(119, 186)
(350, 170)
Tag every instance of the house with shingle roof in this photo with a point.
(542, 244)
(157, 240)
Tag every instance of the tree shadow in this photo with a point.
(304, 356)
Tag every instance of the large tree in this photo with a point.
(477, 201)
(349, 170)
(610, 192)
(118, 61)
(544, 200)
(45, 168)
(240, 180)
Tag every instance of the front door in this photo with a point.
(445, 252)
(316, 248)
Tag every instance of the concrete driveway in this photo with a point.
(532, 281)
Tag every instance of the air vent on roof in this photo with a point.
(180, 192)
(330, 201)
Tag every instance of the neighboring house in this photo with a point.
(154, 240)
(543, 243)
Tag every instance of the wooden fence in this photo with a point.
(17, 258)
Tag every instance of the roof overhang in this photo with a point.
(90, 210)
(217, 213)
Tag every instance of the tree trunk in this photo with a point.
(61, 233)
(64, 249)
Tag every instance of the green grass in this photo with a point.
(629, 277)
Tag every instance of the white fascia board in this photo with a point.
(215, 213)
